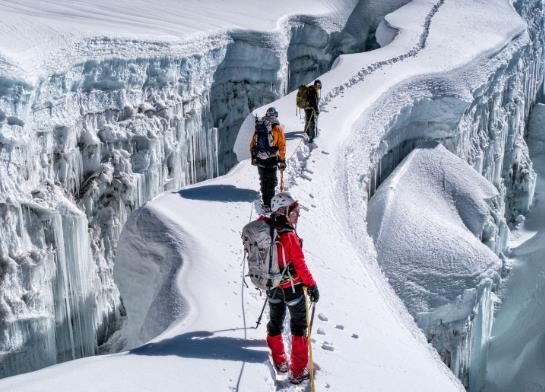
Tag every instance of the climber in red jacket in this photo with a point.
(289, 293)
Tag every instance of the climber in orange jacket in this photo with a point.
(268, 149)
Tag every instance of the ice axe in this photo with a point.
(281, 180)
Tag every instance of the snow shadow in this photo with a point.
(294, 135)
(219, 193)
(204, 345)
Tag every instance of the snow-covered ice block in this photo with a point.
(429, 220)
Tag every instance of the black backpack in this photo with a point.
(264, 147)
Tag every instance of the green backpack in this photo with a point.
(302, 97)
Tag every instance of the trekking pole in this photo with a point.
(281, 180)
(309, 322)
(307, 123)
(316, 126)
(261, 314)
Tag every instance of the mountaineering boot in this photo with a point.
(280, 361)
(299, 378)
(282, 368)
(299, 356)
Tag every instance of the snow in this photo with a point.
(187, 282)
(516, 356)
(129, 121)
(431, 263)
(38, 38)
(435, 257)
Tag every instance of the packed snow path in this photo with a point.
(364, 337)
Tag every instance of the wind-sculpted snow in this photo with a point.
(436, 258)
(145, 272)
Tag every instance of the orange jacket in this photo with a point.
(279, 140)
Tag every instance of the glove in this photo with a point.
(281, 165)
(313, 293)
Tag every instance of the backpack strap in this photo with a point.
(287, 265)
(271, 253)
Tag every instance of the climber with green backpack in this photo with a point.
(308, 99)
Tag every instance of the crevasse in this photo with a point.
(83, 148)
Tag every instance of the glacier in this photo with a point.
(515, 351)
(477, 108)
(94, 126)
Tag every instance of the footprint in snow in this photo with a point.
(322, 317)
(355, 336)
(320, 331)
(339, 326)
(324, 152)
(328, 346)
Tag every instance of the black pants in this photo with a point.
(310, 123)
(267, 182)
(279, 299)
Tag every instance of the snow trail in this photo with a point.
(361, 74)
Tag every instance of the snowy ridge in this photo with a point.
(360, 75)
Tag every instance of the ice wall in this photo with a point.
(104, 137)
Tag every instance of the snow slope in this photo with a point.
(41, 38)
(367, 340)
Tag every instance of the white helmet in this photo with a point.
(282, 199)
(271, 112)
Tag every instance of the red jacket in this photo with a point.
(290, 246)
